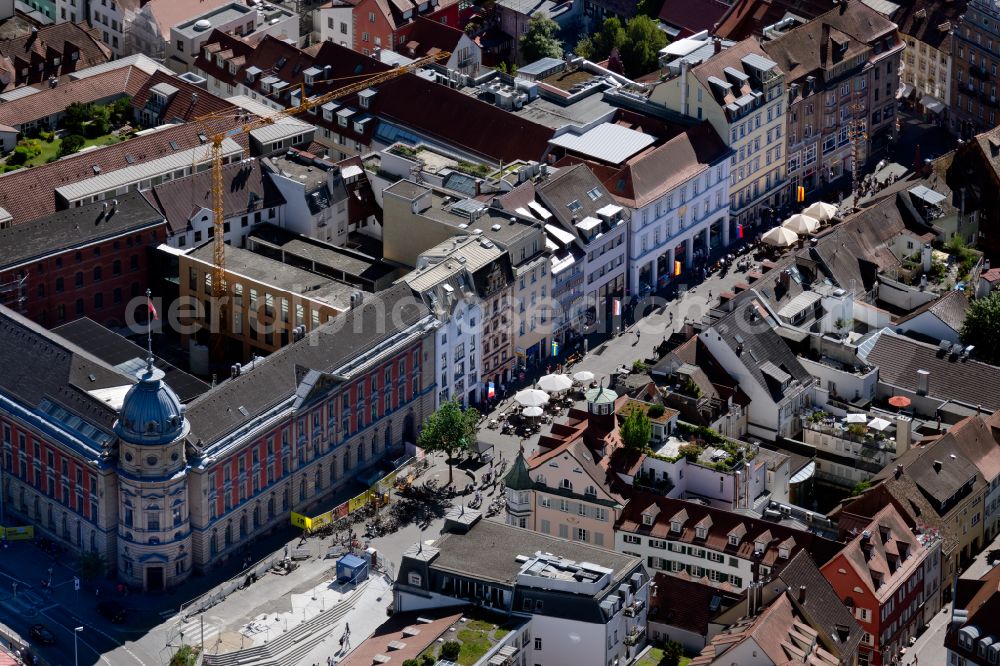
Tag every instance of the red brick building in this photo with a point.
(886, 576)
(87, 261)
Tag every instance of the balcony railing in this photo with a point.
(635, 608)
(635, 636)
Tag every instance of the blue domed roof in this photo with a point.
(151, 412)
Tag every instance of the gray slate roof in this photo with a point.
(759, 346)
(276, 378)
(72, 227)
(116, 350)
(971, 382)
(39, 365)
(822, 608)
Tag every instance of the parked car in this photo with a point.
(41, 634)
(112, 610)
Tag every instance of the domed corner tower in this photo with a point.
(601, 407)
(154, 529)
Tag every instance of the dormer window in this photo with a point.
(783, 553)
(734, 540)
(701, 532)
(675, 526)
(647, 520)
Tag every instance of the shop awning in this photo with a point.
(932, 104)
(904, 91)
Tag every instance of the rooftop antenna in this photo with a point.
(151, 316)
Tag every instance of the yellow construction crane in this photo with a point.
(219, 288)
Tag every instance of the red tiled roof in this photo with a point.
(882, 560)
(60, 40)
(104, 86)
(427, 37)
(189, 103)
(748, 18)
(246, 190)
(28, 194)
(442, 114)
(692, 16)
(684, 603)
(391, 632)
(653, 173)
(723, 523)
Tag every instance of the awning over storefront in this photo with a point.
(932, 104)
(904, 91)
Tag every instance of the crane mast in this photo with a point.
(219, 287)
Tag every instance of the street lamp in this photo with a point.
(76, 654)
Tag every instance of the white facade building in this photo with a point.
(334, 22)
(687, 206)
(235, 18)
(583, 604)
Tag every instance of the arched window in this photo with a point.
(566, 484)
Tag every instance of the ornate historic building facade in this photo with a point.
(104, 462)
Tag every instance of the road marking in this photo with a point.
(111, 638)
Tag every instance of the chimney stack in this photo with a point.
(923, 382)
(802, 594)
(717, 43)
(904, 428)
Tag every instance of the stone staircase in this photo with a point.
(293, 645)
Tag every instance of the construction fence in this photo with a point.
(378, 494)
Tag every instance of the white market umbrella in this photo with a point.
(780, 237)
(856, 418)
(532, 411)
(878, 424)
(584, 376)
(554, 383)
(821, 211)
(801, 224)
(531, 398)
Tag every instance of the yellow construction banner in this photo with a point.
(378, 492)
(358, 502)
(18, 533)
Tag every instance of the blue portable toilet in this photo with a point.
(351, 568)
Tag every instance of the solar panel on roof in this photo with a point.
(467, 206)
